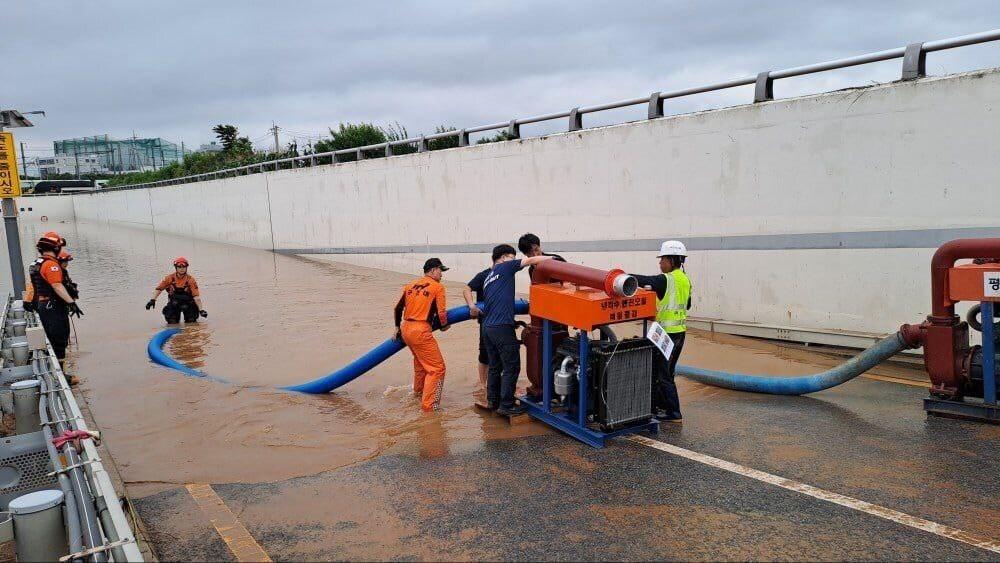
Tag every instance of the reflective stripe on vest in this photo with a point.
(671, 310)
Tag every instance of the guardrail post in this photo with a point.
(422, 144)
(764, 91)
(463, 138)
(388, 149)
(655, 106)
(360, 155)
(914, 61)
(513, 130)
(575, 120)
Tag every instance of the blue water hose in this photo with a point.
(156, 353)
(876, 354)
(327, 383)
(773, 385)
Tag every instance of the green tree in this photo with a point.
(351, 136)
(227, 135)
(443, 143)
(501, 136)
(232, 143)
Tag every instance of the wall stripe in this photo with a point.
(917, 238)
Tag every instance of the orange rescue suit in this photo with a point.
(421, 309)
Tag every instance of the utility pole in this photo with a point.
(274, 129)
(76, 157)
(24, 162)
(183, 154)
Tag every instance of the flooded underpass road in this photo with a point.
(362, 474)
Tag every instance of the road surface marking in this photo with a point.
(230, 529)
(835, 498)
(899, 380)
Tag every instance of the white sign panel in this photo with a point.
(991, 284)
(659, 337)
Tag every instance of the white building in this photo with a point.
(69, 164)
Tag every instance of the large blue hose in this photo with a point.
(878, 353)
(156, 353)
(327, 383)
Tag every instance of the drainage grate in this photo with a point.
(24, 466)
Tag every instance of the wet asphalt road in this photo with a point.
(550, 498)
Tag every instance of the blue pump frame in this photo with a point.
(574, 426)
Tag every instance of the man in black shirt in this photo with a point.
(530, 245)
(475, 285)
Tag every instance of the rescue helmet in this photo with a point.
(181, 261)
(65, 256)
(672, 248)
(49, 241)
(55, 236)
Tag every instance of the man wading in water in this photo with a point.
(182, 295)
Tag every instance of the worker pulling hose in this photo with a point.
(876, 354)
(327, 383)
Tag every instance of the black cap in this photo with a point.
(432, 263)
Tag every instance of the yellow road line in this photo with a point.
(230, 529)
(900, 380)
(969, 538)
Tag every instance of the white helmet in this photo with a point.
(672, 248)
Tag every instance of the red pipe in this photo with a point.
(554, 270)
(944, 259)
(945, 337)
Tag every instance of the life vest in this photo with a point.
(42, 290)
(671, 309)
(180, 292)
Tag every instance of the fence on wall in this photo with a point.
(914, 58)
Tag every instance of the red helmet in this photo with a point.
(65, 256)
(181, 261)
(54, 235)
(50, 241)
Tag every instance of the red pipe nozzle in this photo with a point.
(613, 282)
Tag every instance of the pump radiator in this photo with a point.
(622, 375)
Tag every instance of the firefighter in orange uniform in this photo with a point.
(182, 295)
(48, 294)
(420, 310)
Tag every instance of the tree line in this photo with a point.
(237, 150)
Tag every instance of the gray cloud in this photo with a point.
(174, 69)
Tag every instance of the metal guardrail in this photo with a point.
(118, 537)
(914, 66)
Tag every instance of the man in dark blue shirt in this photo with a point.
(502, 347)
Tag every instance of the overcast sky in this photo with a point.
(174, 69)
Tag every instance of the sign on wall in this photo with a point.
(10, 183)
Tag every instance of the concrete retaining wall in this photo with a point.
(819, 212)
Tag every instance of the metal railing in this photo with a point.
(89, 480)
(914, 66)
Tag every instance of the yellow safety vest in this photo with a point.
(671, 310)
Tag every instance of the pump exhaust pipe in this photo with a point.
(613, 282)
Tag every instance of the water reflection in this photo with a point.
(188, 346)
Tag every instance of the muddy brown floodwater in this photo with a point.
(273, 320)
(276, 320)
